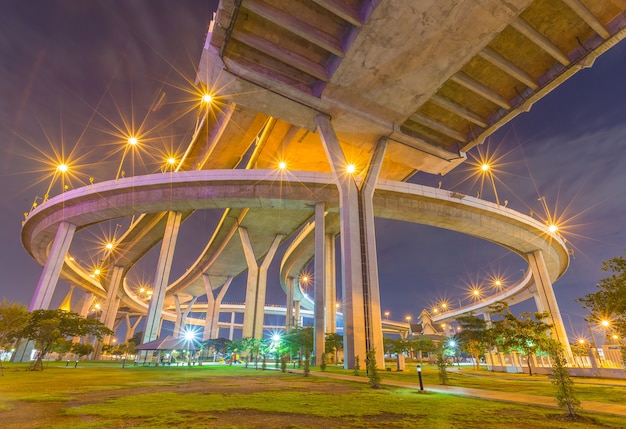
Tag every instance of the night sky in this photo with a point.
(75, 74)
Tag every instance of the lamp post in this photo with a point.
(419, 376)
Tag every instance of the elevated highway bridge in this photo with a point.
(382, 89)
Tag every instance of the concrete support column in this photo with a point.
(289, 306)
(319, 284)
(231, 331)
(130, 328)
(296, 315)
(546, 301)
(85, 304)
(487, 319)
(51, 270)
(372, 289)
(211, 325)
(47, 282)
(181, 315)
(354, 339)
(111, 304)
(256, 286)
(330, 283)
(161, 278)
(66, 304)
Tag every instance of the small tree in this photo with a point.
(82, 349)
(283, 362)
(527, 334)
(474, 338)
(307, 368)
(334, 343)
(323, 362)
(357, 365)
(442, 362)
(565, 395)
(13, 318)
(372, 371)
(609, 301)
(45, 327)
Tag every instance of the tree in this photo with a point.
(13, 318)
(565, 395)
(442, 362)
(299, 340)
(609, 301)
(334, 343)
(527, 334)
(372, 371)
(474, 338)
(421, 344)
(45, 327)
(82, 349)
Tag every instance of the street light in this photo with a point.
(387, 315)
(486, 169)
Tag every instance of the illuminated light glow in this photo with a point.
(351, 168)
(62, 168)
(142, 290)
(149, 292)
(581, 341)
(109, 246)
(207, 98)
(435, 310)
(97, 306)
(605, 323)
(408, 318)
(132, 141)
(553, 228)
(444, 305)
(615, 336)
(276, 338)
(452, 343)
(485, 167)
(498, 283)
(171, 160)
(305, 278)
(97, 271)
(190, 335)
(282, 165)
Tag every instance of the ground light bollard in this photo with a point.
(419, 376)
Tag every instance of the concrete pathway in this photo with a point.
(491, 395)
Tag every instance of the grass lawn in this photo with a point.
(98, 395)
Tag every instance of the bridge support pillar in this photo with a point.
(361, 295)
(296, 314)
(211, 325)
(47, 282)
(231, 331)
(545, 299)
(289, 307)
(110, 307)
(257, 283)
(130, 328)
(161, 277)
(319, 283)
(330, 283)
(181, 315)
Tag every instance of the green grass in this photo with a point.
(98, 395)
(587, 389)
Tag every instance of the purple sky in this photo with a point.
(70, 70)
